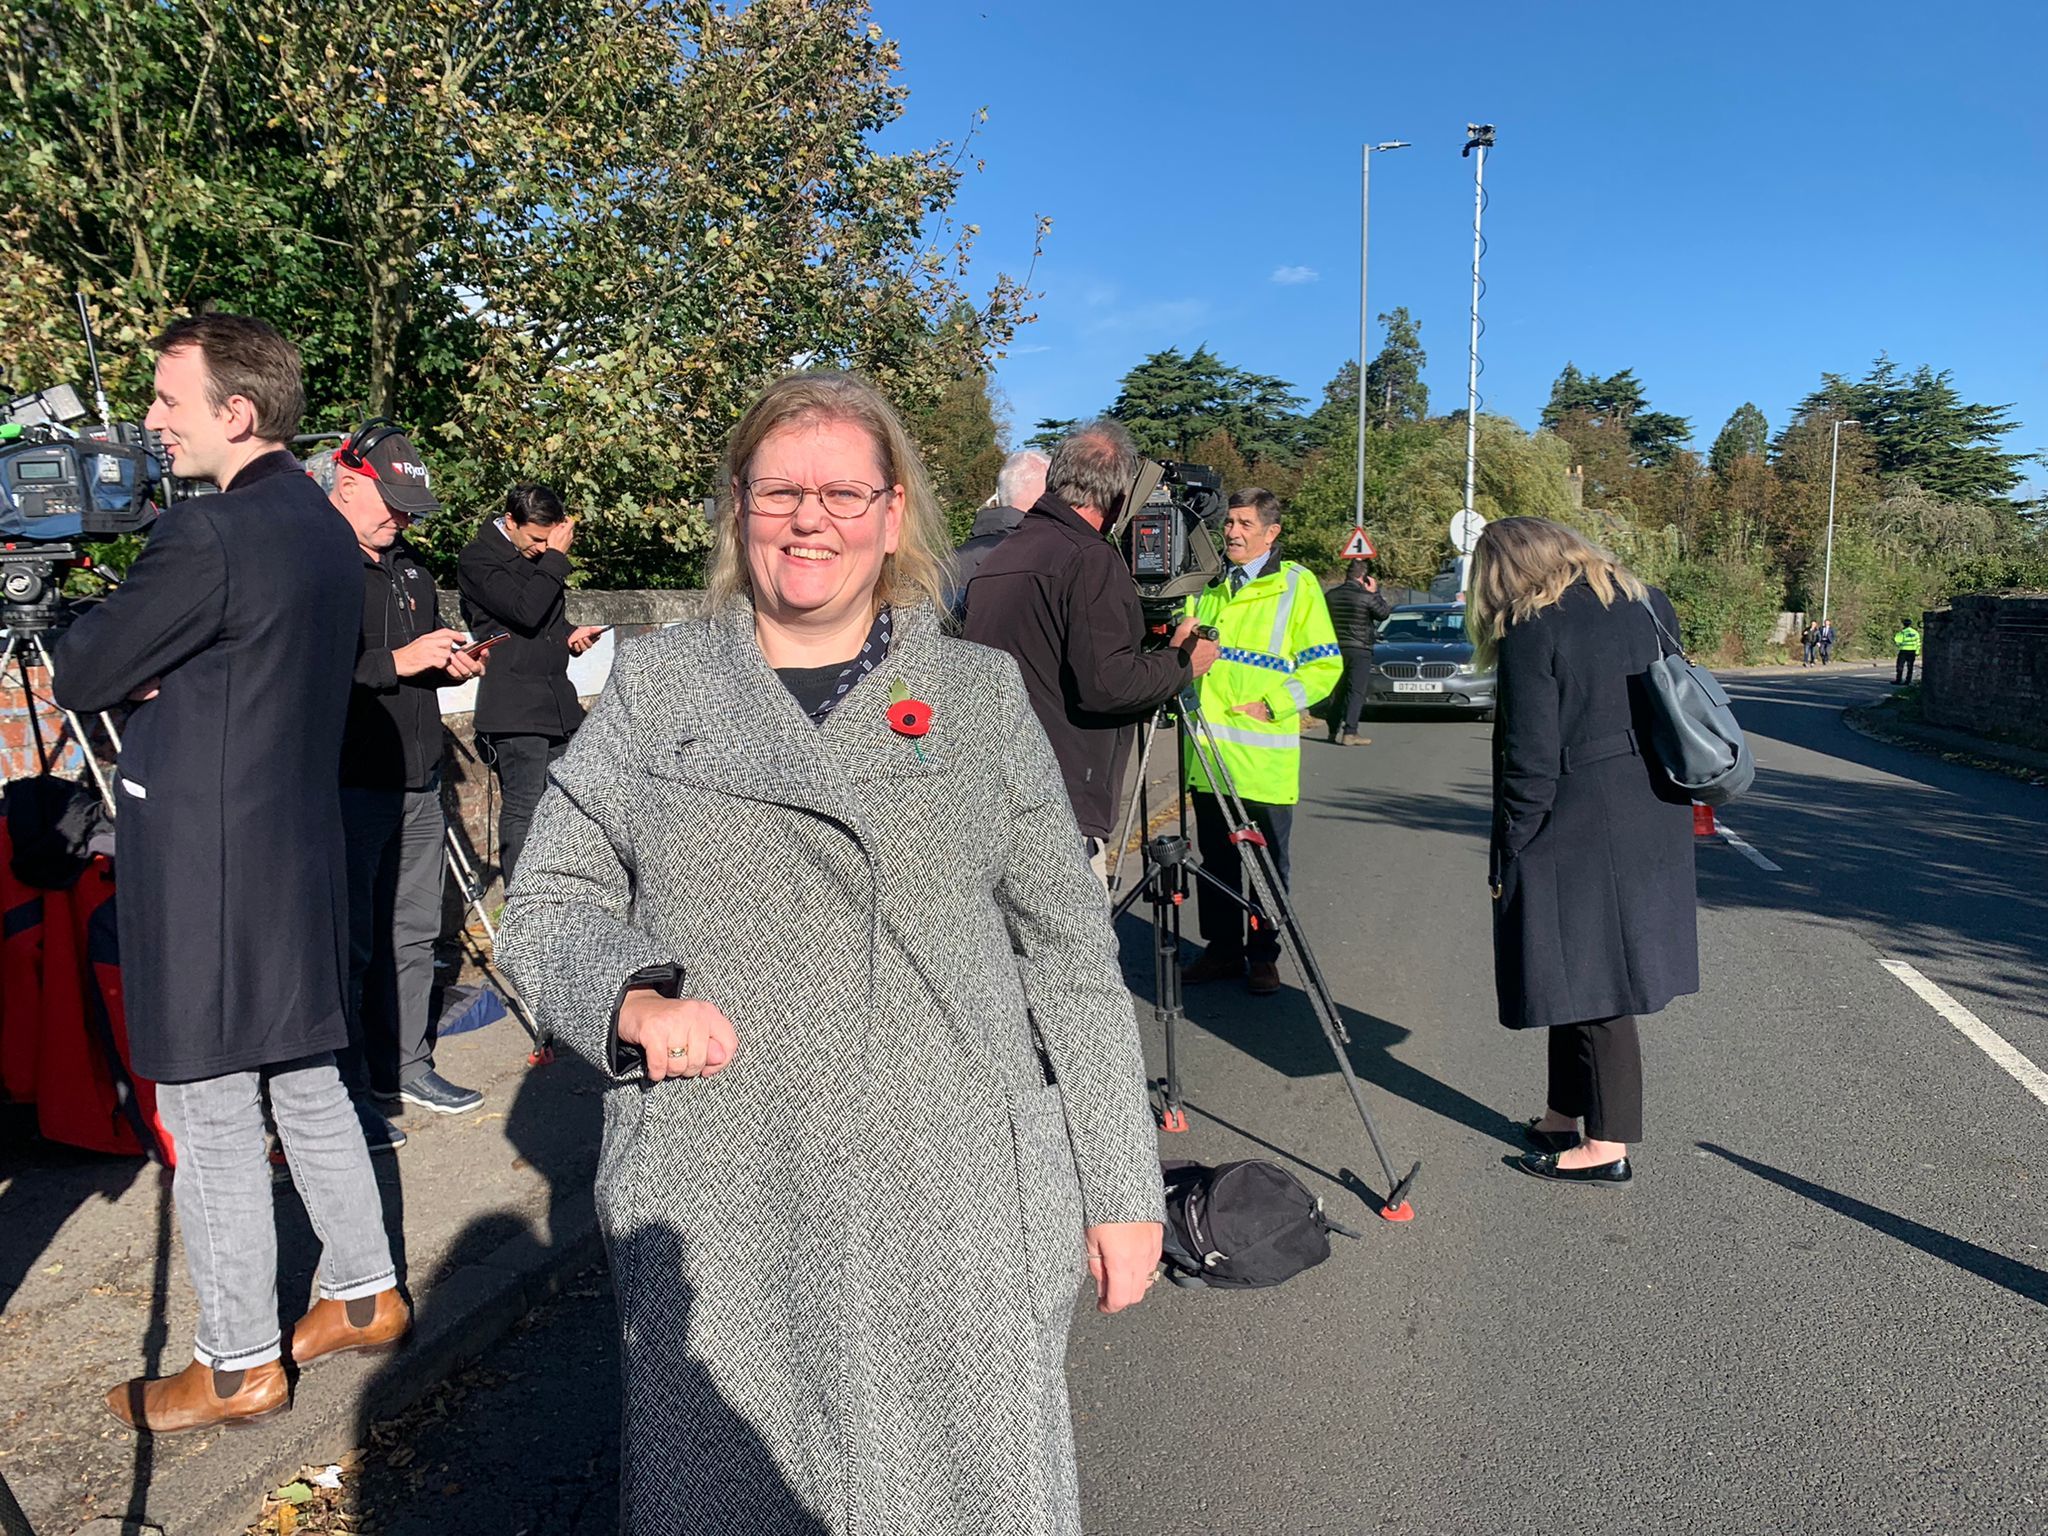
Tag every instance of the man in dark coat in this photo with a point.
(1059, 599)
(1019, 485)
(1356, 608)
(235, 632)
(391, 780)
(514, 578)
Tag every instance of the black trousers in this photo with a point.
(521, 764)
(1223, 920)
(1596, 1070)
(1352, 693)
(1903, 671)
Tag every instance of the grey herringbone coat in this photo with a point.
(845, 1265)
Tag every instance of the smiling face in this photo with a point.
(812, 570)
(198, 439)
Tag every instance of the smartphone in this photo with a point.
(478, 647)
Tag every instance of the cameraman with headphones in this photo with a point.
(391, 784)
(1059, 598)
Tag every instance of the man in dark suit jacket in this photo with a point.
(514, 577)
(235, 633)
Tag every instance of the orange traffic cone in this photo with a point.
(1703, 821)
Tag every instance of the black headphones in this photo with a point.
(354, 450)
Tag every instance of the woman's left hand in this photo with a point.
(1123, 1256)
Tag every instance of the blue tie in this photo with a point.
(1238, 577)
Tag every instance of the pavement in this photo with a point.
(491, 1209)
(1822, 1307)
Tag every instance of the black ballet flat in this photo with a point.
(1543, 1165)
(1549, 1141)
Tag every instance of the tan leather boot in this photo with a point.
(199, 1397)
(367, 1325)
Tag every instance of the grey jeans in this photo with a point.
(394, 916)
(223, 1191)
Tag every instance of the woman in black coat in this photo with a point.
(1594, 921)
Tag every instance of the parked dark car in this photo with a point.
(1422, 659)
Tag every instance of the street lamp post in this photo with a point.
(1827, 568)
(1479, 136)
(1365, 314)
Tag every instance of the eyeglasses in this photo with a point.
(844, 499)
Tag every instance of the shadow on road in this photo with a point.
(1282, 1033)
(2022, 1280)
(1931, 875)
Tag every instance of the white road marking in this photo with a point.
(1743, 848)
(1974, 1029)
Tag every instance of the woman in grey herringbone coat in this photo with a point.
(807, 887)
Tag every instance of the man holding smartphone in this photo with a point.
(391, 785)
(514, 578)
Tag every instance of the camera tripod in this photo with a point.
(24, 650)
(1169, 860)
(470, 882)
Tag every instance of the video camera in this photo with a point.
(65, 479)
(1167, 531)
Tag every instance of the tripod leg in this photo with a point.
(1173, 1115)
(473, 893)
(1272, 898)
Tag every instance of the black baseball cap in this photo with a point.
(394, 464)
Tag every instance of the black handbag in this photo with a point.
(1694, 736)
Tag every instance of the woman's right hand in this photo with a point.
(679, 1036)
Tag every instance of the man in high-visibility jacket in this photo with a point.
(1908, 642)
(1279, 655)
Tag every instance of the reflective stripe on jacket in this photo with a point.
(1907, 639)
(1279, 648)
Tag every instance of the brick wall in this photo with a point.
(18, 758)
(1985, 667)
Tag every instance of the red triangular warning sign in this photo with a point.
(1358, 547)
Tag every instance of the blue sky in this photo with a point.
(1727, 198)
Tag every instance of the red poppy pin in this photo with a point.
(908, 717)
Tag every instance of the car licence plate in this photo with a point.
(1418, 687)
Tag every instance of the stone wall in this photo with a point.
(1985, 667)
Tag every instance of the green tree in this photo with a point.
(1172, 400)
(563, 241)
(1394, 390)
(1587, 406)
(1919, 426)
(958, 436)
(1746, 435)
(1047, 431)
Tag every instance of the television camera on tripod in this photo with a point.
(1168, 533)
(65, 481)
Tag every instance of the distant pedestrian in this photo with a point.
(1810, 637)
(1356, 607)
(1908, 642)
(1594, 918)
(1827, 641)
(514, 578)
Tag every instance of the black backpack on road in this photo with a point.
(1241, 1225)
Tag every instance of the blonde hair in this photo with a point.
(915, 573)
(1523, 565)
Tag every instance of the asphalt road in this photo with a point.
(1822, 1307)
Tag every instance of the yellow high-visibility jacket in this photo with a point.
(1279, 648)
(1907, 639)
